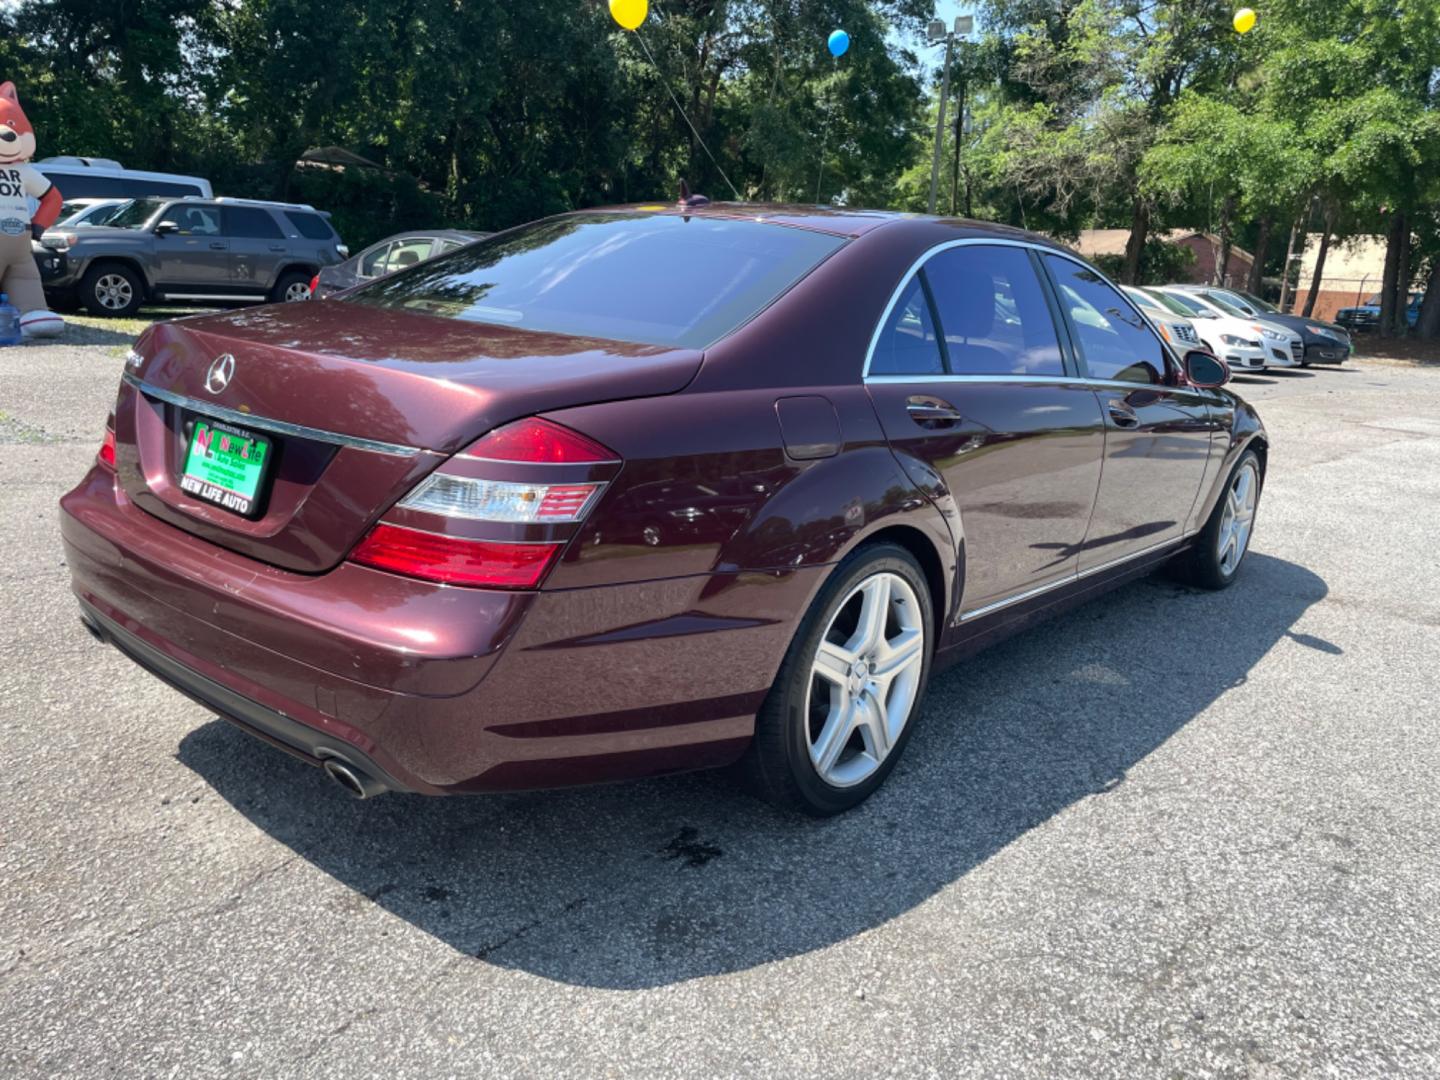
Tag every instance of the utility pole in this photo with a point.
(937, 33)
(959, 131)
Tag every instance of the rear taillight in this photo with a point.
(501, 500)
(464, 525)
(539, 441)
(106, 455)
(314, 285)
(454, 560)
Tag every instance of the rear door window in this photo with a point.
(992, 312)
(252, 223)
(658, 279)
(908, 344)
(405, 253)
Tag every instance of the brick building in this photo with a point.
(1354, 270)
(1205, 246)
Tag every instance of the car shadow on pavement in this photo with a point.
(647, 884)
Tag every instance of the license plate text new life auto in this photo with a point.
(226, 466)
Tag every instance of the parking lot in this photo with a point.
(1171, 834)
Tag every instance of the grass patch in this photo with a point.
(116, 334)
(1406, 350)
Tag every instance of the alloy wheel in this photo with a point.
(300, 290)
(1238, 517)
(865, 679)
(114, 292)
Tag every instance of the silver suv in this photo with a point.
(215, 250)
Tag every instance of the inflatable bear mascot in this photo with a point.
(21, 187)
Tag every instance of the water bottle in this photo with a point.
(9, 321)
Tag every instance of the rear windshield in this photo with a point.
(653, 279)
(310, 226)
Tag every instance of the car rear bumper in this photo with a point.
(309, 743)
(434, 689)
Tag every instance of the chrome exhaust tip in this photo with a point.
(354, 781)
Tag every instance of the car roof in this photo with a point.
(835, 220)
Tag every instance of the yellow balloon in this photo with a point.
(1244, 19)
(629, 13)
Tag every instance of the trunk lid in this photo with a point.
(359, 403)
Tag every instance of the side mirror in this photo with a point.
(1206, 371)
(166, 227)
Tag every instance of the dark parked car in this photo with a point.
(1366, 316)
(386, 256)
(404, 534)
(1323, 343)
(213, 250)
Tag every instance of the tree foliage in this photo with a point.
(1084, 113)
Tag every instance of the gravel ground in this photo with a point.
(1171, 834)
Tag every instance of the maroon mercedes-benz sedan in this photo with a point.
(638, 490)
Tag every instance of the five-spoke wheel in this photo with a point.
(844, 701)
(1215, 558)
(865, 679)
(1237, 516)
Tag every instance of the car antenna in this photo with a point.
(687, 199)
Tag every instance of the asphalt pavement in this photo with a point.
(1171, 834)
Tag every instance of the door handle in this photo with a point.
(1123, 415)
(277, 247)
(218, 245)
(932, 412)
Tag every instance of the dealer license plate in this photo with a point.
(227, 466)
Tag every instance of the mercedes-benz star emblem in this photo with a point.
(218, 377)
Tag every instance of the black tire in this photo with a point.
(102, 292)
(287, 281)
(62, 301)
(1202, 564)
(777, 765)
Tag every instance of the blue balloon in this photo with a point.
(839, 42)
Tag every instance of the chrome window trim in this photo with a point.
(1024, 245)
(261, 423)
(1046, 380)
(1070, 579)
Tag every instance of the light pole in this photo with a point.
(937, 33)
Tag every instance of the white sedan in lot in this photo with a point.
(1233, 340)
(1283, 347)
